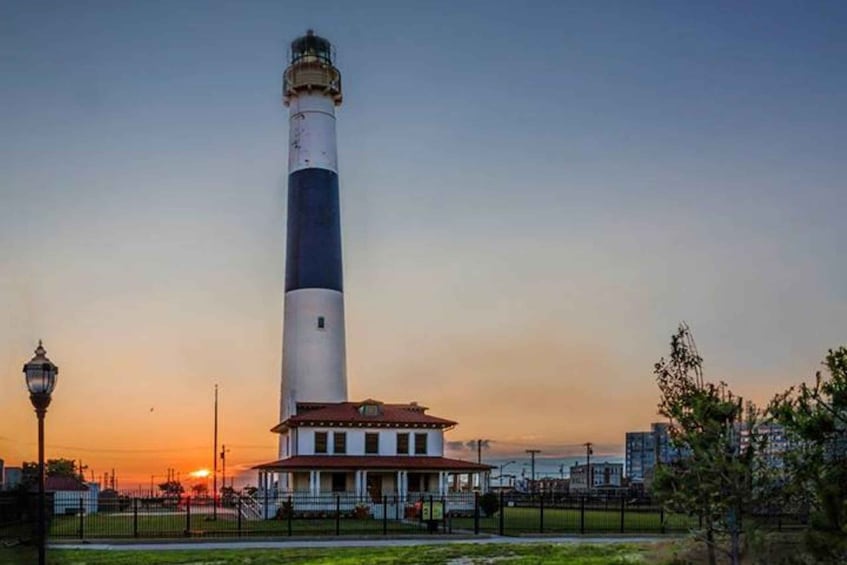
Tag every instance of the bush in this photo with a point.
(284, 511)
(489, 504)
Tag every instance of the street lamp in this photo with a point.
(502, 467)
(40, 374)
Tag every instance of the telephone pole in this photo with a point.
(223, 465)
(532, 453)
(215, 463)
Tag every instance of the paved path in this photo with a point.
(323, 543)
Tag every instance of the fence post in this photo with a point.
(385, 514)
(623, 512)
(187, 516)
(338, 514)
(443, 516)
(81, 519)
(582, 514)
(290, 514)
(476, 513)
(135, 517)
(397, 507)
(502, 512)
(541, 513)
(266, 503)
(662, 518)
(239, 515)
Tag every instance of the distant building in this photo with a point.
(71, 494)
(2, 475)
(12, 477)
(604, 476)
(552, 485)
(776, 443)
(645, 449)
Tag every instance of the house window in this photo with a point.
(420, 444)
(370, 410)
(339, 482)
(320, 442)
(402, 444)
(339, 443)
(372, 443)
(321, 323)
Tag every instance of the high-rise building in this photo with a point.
(645, 449)
(313, 348)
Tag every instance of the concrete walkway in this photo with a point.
(376, 542)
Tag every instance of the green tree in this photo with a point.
(171, 488)
(53, 468)
(200, 490)
(713, 476)
(815, 420)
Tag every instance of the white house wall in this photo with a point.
(356, 440)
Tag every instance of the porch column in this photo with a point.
(317, 482)
(364, 484)
(357, 481)
(441, 483)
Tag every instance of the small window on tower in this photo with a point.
(321, 323)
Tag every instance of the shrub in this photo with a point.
(489, 503)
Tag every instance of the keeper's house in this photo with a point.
(368, 450)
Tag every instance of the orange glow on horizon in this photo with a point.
(200, 474)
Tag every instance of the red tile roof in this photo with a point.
(349, 413)
(383, 462)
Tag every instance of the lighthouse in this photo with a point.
(313, 347)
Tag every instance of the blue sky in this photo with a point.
(533, 196)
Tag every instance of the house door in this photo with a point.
(375, 487)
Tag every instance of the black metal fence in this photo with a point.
(134, 515)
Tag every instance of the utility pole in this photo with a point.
(532, 453)
(479, 443)
(223, 464)
(590, 476)
(215, 463)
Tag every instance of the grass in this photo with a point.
(519, 554)
(104, 525)
(517, 520)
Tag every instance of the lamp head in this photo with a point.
(40, 373)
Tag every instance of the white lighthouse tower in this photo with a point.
(313, 347)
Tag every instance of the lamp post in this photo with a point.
(502, 467)
(40, 374)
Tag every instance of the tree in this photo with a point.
(713, 476)
(171, 488)
(52, 468)
(199, 490)
(815, 418)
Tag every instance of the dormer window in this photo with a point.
(370, 409)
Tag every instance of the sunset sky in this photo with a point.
(533, 196)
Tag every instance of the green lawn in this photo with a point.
(103, 525)
(464, 553)
(518, 520)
